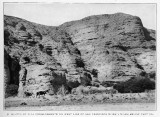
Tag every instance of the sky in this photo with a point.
(54, 14)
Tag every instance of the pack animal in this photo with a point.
(38, 94)
(28, 94)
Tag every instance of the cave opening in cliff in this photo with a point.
(14, 71)
(12, 76)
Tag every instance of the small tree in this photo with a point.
(95, 73)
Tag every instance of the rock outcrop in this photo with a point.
(42, 57)
(111, 43)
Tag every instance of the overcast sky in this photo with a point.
(54, 14)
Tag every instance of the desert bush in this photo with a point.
(152, 75)
(79, 62)
(95, 72)
(41, 47)
(135, 85)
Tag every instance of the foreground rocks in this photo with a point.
(58, 59)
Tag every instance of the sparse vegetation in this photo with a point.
(135, 85)
(95, 72)
(79, 63)
(41, 47)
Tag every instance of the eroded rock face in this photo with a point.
(111, 44)
(147, 60)
(117, 46)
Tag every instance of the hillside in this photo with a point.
(99, 48)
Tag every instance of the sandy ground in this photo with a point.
(92, 102)
(94, 107)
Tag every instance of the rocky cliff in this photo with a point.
(38, 57)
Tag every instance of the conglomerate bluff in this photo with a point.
(39, 57)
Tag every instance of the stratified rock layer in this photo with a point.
(112, 43)
(117, 46)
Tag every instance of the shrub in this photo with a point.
(135, 85)
(152, 75)
(41, 47)
(95, 72)
(80, 63)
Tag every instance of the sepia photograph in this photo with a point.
(79, 56)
